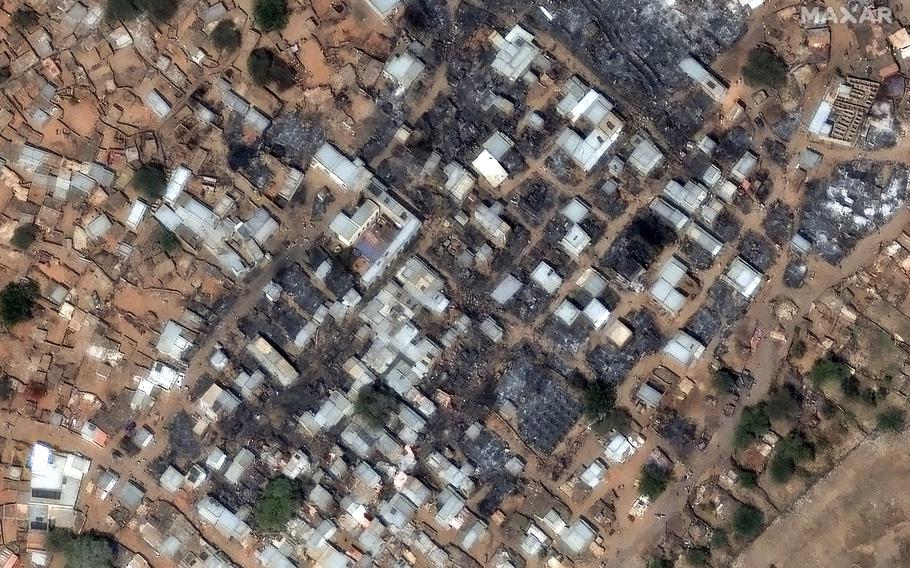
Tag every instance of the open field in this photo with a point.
(857, 516)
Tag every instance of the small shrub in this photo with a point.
(870, 395)
(828, 409)
(6, 388)
(124, 10)
(150, 180)
(17, 302)
(765, 68)
(24, 235)
(160, 10)
(225, 35)
(266, 68)
(891, 420)
(270, 14)
(618, 420)
(654, 480)
(850, 386)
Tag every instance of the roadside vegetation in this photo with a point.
(754, 423)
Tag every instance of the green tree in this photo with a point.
(6, 388)
(725, 380)
(599, 398)
(753, 423)
(226, 35)
(850, 386)
(829, 369)
(82, 550)
(660, 563)
(124, 10)
(159, 11)
(17, 301)
(24, 235)
(765, 68)
(654, 480)
(151, 180)
(697, 556)
(267, 68)
(166, 239)
(747, 478)
(270, 14)
(375, 404)
(797, 349)
(791, 451)
(718, 539)
(891, 420)
(25, 18)
(748, 521)
(782, 403)
(279, 501)
(618, 420)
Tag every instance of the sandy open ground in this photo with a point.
(858, 516)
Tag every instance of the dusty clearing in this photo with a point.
(857, 516)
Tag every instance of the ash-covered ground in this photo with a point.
(636, 45)
(546, 409)
(859, 198)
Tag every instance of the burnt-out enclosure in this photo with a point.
(856, 200)
(538, 400)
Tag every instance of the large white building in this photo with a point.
(586, 107)
(56, 479)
